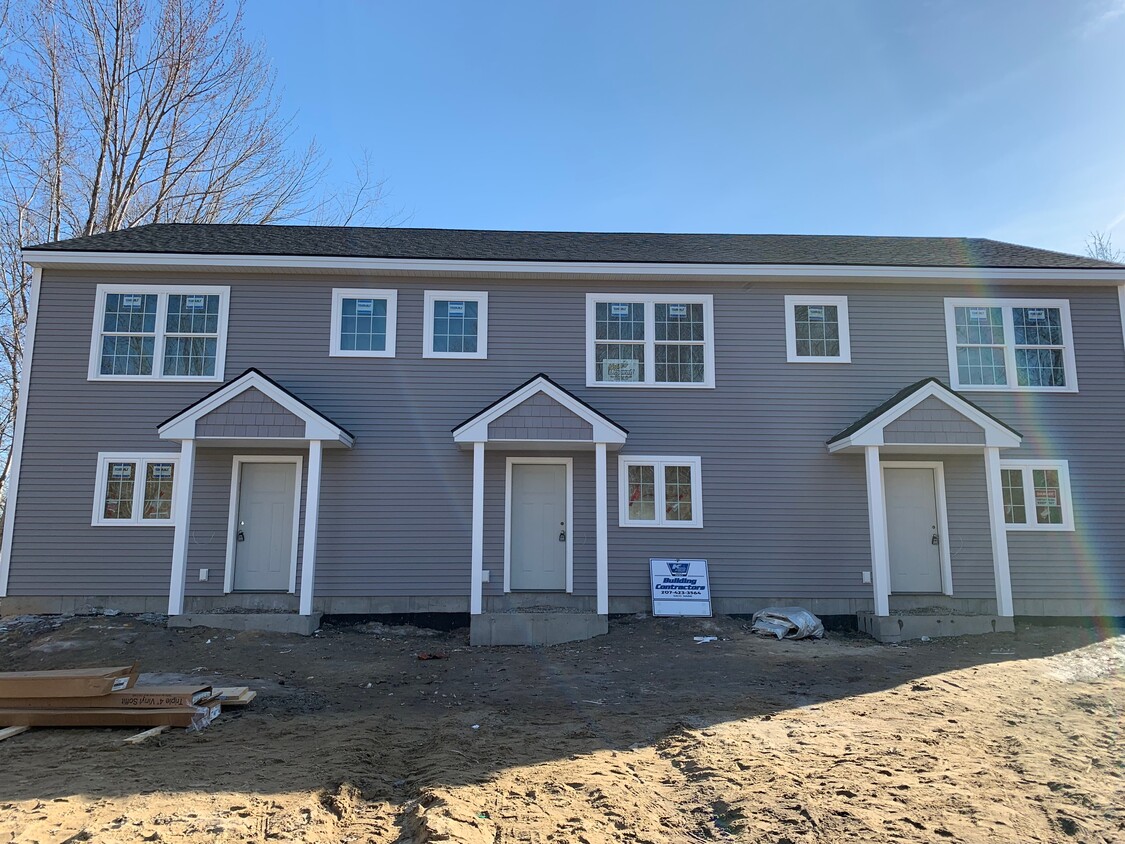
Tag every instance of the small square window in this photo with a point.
(660, 492)
(817, 330)
(135, 489)
(456, 325)
(364, 323)
(1036, 495)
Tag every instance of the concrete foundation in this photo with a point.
(901, 627)
(535, 628)
(270, 622)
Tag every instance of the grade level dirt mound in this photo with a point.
(638, 736)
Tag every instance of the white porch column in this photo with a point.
(185, 474)
(1000, 569)
(601, 528)
(877, 524)
(312, 519)
(477, 572)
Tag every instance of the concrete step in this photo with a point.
(903, 626)
(535, 628)
(269, 622)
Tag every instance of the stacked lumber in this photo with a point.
(109, 697)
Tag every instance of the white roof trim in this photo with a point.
(253, 263)
(995, 434)
(317, 427)
(476, 428)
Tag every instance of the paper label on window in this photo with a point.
(677, 310)
(121, 470)
(816, 312)
(131, 301)
(1046, 498)
(1036, 314)
(456, 308)
(161, 470)
(619, 310)
(367, 306)
(978, 314)
(621, 369)
(194, 302)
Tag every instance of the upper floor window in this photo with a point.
(816, 329)
(134, 489)
(1010, 344)
(664, 340)
(364, 323)
(1036, 494)
(456, 325)
(159, 333)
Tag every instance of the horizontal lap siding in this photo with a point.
(782, 516)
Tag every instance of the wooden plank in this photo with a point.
(235, 697)
(8, 732)
(147, 734)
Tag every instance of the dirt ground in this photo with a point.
(639, 736)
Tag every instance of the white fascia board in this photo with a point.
(259, 263)
(872, 433)
(476, 430)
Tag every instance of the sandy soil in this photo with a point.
(638, 736)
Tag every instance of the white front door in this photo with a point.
(913, 539)
(263, 551)
(538, 528)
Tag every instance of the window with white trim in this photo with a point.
(135, 489)
(816, 329)
(664, 340)
(364, 323)
(456, 325)
(660, 491)
(159, 333)
(1036, 494)
(1010, 344)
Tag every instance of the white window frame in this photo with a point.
(141, 459)
(162, 292)
(1006, 306)
(841, 305)
(650, 301)
(339, 294)
(432, 296)
(1026, 466)
(659, 463)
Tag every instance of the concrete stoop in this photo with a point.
(903, 626)
(535, 628)
(267, 622)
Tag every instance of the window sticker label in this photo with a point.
(978, 314)
(1036, 314)
(120, 471)
(619, 310)
(816, 312)
(367, 306)
(621, 369)
(131, 300)
(1046, 498)
(680, 587)
(194, 302)
(456, 308)
(162, 470)
(677, 311)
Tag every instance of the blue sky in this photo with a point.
(1001, 119)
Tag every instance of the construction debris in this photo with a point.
(109, 697)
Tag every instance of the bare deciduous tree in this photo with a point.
(1100, 245)
(115, 113)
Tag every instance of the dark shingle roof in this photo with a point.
(464, 244)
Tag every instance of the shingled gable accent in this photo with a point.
(542, 410)
(277, 414)
(962, 424)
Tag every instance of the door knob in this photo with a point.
(241, 536)
(562, 536)
(934, 539)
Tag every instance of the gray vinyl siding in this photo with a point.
(933, 422)
(782, 516)
(250, 414)
(540, 417)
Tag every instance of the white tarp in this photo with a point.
(788, 623)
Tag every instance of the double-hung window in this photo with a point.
(1010, 344)
(1036, 494)
(135, 489)
(816, 329)
(664, 340)
(456, 325)
(660, 491)
(364, 323)
(159, 333)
